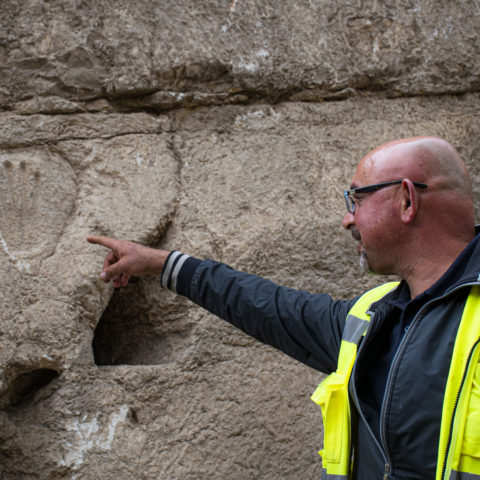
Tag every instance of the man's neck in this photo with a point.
(426, 270)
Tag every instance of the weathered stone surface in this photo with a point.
(50, 198)
(197, 126)
(85, 49)
(20, 130)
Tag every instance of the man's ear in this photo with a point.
(408, 202)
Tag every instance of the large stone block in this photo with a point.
(208, 52)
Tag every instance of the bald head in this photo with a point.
(429, 160)
(448, 201)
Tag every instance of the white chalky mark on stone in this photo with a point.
(88, 435)
(251, 64)
(262, 53)
(257, 114)
(116, 418)
(249, 67)
(21, 265)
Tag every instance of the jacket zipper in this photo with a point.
(389, 378)
(386, 475)
(457, 398)
(357, 403)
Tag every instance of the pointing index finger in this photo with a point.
(105, 241)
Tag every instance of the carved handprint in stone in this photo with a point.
(37, 196)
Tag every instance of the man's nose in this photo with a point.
(348, 221)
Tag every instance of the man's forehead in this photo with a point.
(383, 164)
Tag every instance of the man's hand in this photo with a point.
(128, 258)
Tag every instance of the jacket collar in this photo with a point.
(469, 262)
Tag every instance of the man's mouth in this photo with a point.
(358, 238)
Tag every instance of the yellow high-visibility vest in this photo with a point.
(459, 444)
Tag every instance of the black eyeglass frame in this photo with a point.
(370, 189)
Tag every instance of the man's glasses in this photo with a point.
(350, 194)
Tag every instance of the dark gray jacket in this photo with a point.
(404, 434)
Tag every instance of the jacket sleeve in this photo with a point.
(304, 326)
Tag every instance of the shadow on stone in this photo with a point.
(24, 386)
(141, 327)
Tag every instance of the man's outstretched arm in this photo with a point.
(304, 326)
(128, 258)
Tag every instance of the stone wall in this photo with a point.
(226, 129)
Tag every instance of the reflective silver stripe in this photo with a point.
(168, 268)
(176, 271)
(463, 476)
(326, 476)
(354, 329)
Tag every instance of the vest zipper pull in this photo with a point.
(386, 475)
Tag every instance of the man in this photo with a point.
(402, 400)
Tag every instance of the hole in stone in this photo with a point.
(25, 385)
(142, 325)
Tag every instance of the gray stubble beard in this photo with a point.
(364, 265)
